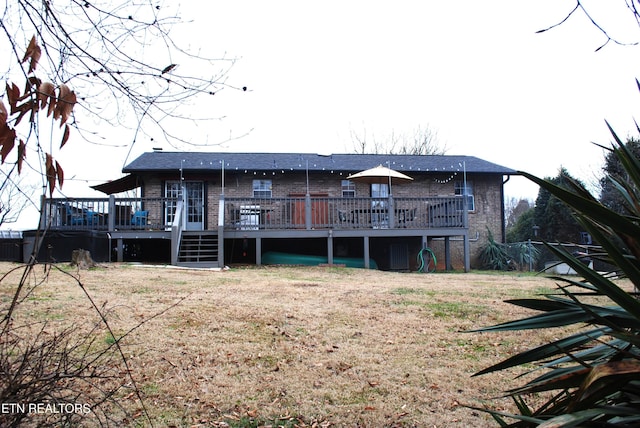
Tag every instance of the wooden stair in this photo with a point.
(199, 249)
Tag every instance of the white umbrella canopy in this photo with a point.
(380, 174)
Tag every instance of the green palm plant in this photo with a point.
(593, 375)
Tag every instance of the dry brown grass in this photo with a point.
(330, 346)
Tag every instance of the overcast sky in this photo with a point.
(474, 72)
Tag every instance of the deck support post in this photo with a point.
(330, 248)
(366, 253)
(467, 255)
(258, 251)
(119, 250)
(447, 253)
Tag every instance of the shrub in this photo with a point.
(498, 256)
(593, 374)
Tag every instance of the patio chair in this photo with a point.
(344, 217)
(140, 218)
(75, 216)
(406, 216)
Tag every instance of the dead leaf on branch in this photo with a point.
(64, 107)
(65, 136)
(7, 141)
(25, 108)
(22, 154)
(32, 84)
(47, 96)
(54, 172)
(33, 54)
(13, 95)
(4, 115)
(59, 174)
(37, 96)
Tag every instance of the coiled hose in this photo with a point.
(426, 260)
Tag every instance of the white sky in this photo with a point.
(475, 72)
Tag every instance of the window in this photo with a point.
(348, 189)
(172, 191)
(379, 205)
(194, 202)
(459, 190)
(262, 188)
(379, 190)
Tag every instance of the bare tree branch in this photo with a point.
(632, 6)
(422, 141)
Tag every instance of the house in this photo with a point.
(215, 209)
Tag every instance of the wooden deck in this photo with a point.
(257, 218)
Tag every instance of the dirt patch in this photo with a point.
(331, 346)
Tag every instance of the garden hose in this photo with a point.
(426, 260)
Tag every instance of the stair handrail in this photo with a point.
(176, 232)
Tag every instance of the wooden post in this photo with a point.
(366, 253)
(119, 250)
(111, 219)
(391, 217)
(258, 251)
(307, 211)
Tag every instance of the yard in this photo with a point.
(299, 346)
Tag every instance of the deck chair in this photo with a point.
(344, 217)
(140, 218)
(406, 216)
(75, 217)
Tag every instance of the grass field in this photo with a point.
(298, 346)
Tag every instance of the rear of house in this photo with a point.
(229, 208)
(216, 209)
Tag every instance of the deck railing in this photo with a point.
(306, 212)
(108, 213)
(347, 213)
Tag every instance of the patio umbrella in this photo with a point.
(380, 174)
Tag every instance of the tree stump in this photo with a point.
(82, 259)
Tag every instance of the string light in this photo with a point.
(451, 171)
(446, 180)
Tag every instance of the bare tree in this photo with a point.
(421, 141)
(81, 67)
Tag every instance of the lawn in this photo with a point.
(297, 346)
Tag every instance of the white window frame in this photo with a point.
(348, 189)
(262, 189)
(459, 190)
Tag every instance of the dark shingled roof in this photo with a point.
(161, 161)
